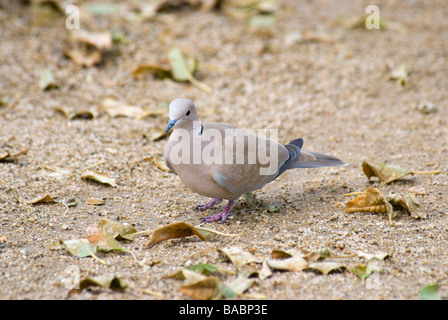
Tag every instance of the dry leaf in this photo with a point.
(265, 271)
(296, 263)
(401, 75)
(205, 289)
(409, 203)
(160, 163)
(240, 284)
(385, 172)
(71, 113)
(117, 230)
(156, 135)
(317, 36)
(102, 240)
(369, 256)
(79, 247)
(99, 177)
(156, 70)
(172, 231)
(107, 282)
(95, 201)
(283, 254)
(8, 156)
(99, 40)
(116, 108)
(44, 199)
(326, 267)
(84, 57)
(371, 200)
(238, 256)
(47, 80)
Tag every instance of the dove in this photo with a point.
(222, 162)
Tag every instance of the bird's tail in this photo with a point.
(308, 159)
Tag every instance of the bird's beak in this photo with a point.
(171, 123)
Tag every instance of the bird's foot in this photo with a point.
(220, 216)
(213, 202)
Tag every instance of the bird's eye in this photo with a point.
(188, 113)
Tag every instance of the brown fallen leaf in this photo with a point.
(317, 36)
(326, 267)
(99, 40)
(84, 57)
(371, 200)
(238, 256)
(205, 289)
(156, 135)
(157, 70)
(180, 68)
(265, 271)
(158, 161)
(41, 199)
(388, 173)
(107, 282)
(99, 177)
(116, 229)
(72, 113)
(8, 156)
(409, 203)
(47, 80)
(172, 231)
(295, 263)
(95, 201)
(116, 108)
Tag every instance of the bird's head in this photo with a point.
(182, 114)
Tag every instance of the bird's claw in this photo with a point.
(216, 217)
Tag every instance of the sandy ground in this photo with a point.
(335, 94)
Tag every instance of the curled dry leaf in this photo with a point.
(95, 201)
(160, 163)
(172, 231)
(409, 203)
(102, 240)
(41, 199)
(401, 75)
(80, 247)
(47, 80)
(8, 156)
(180, 68)
(369, 256)
(117, 230)
(107, 282)
(326, 267)
(265, 271)
(157, 70)
(99, 40)
(240, 284)
(295, 263)
(238, 256)
(204, 289)
(385, 172)
(156, 135)
(99, 177)
(371, 200)
(84, 57)
(71, 113)
(116, 108)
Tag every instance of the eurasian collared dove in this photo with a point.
(219, 161)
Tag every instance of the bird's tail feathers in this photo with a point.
(308, 159)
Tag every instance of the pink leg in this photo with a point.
(213, 202)
(220, 216)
